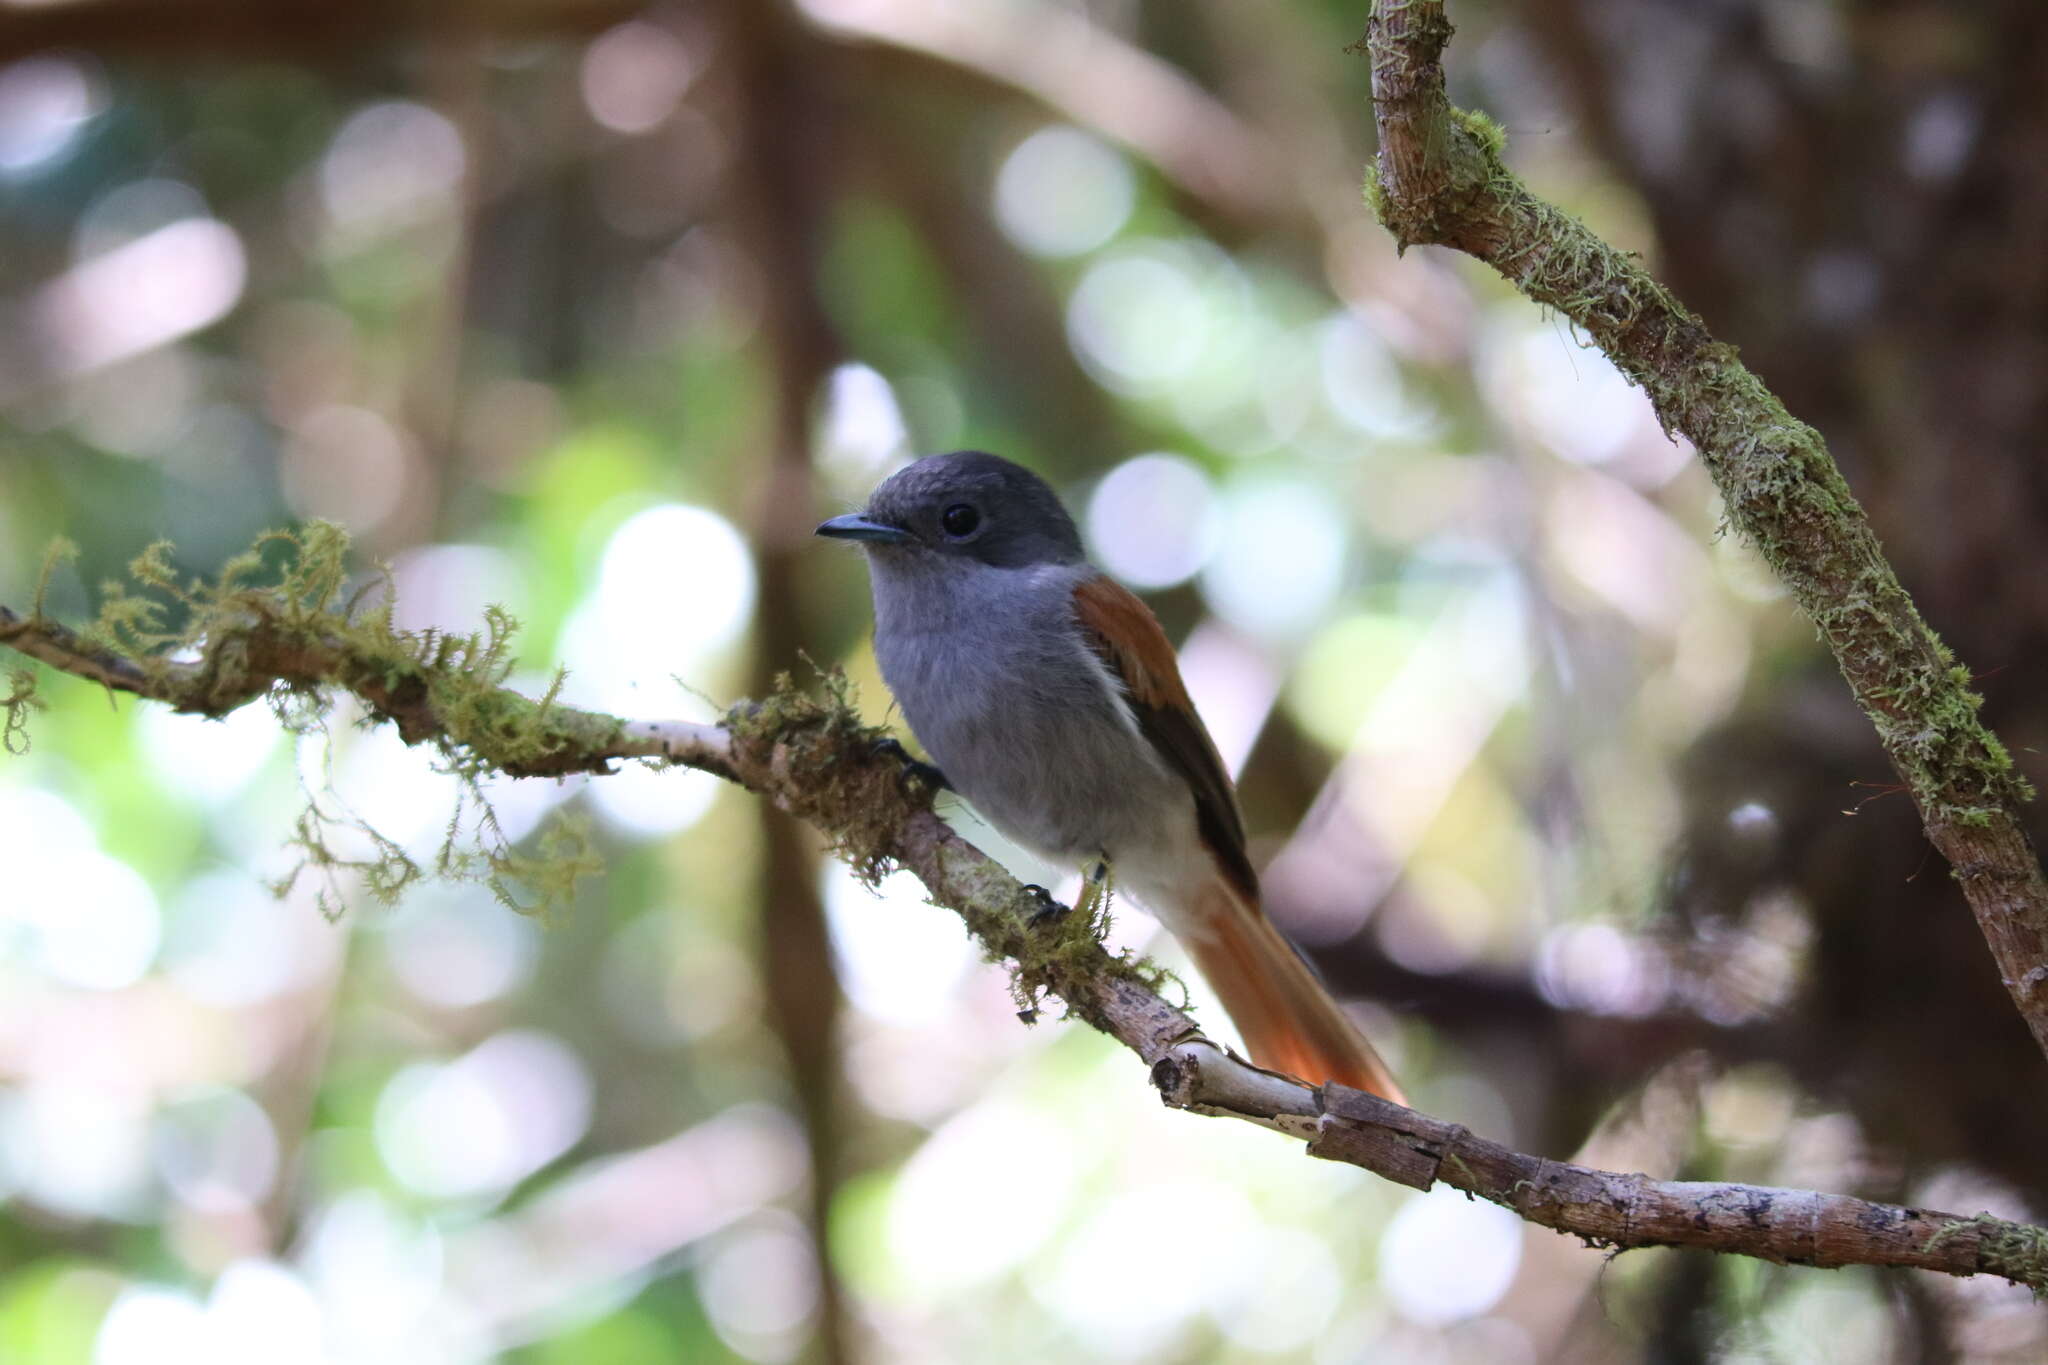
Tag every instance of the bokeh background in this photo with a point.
(592, 309)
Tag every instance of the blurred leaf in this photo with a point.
(631, 1336)
(50, 1312)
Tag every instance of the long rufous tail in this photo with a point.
(1287, 1017)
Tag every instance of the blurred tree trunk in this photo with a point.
(1852, 193)
(782, 187)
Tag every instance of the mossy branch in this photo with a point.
(1441, 180)
(812, 756)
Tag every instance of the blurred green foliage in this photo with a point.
(1454, 586)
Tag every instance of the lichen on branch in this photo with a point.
(1442, 179)
(810, 753)
(288, 623)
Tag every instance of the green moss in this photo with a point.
(285, 622)
(60, 553)
(1491, 137)
(850, 792)
(385, 875)
(283, 606)
(1375, 192)
(21, 699)
(541, 882)
(2016, 1251)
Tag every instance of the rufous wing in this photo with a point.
(1287, 1016)
(1134, 645)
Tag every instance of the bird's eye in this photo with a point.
(959, 520)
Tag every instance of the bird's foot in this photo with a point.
(1047, 910)
(891, 747)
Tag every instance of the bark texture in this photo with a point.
(813, 759)
(1441, 181)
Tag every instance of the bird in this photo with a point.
(1049, 697)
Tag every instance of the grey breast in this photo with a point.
(997, 684)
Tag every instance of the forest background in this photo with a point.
(590, 311)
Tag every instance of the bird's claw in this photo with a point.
(1048, 910)
(891, 747)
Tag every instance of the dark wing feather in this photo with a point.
(1123, 630)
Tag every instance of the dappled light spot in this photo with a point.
(1137, 318)
(1105, 1282)
(667, 979)
(900, 957)
(1152, 521)
(646, 802)
(862, 434)
(1624, 547)
(1751, 1106)
(1753, 822)
(152, 1326)
(950, 1227)
(1279, 561)
(381, 1275)
(675, 585)
(77, 1148)
(633, 75)
(142, 407)
(259, 1312)
(140, 295)
(1820, 1318)
(1596, 967)
(1285, 1295)
(481, 1123)
(212, 760)
(1063, 191)
(447, 587)
(39, 824)
(346, 464)
(1446, 924)
(133, 210)
(455, 946)
(44, 103)
(82, 919)
(1363, 383)
(231, 944)
(1447, 1256)
(760, 1287)
(1743, 571)
(398, 790)
(1939, 134)
(1840, 288)
(215, 1149)
(1570, 395)
(392, 165)
(1752, 966)
(1344, 668)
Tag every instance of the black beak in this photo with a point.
(858, 527)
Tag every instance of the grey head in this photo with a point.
(968, 505)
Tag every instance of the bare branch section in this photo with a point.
(1441, 181)
(814, 758)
